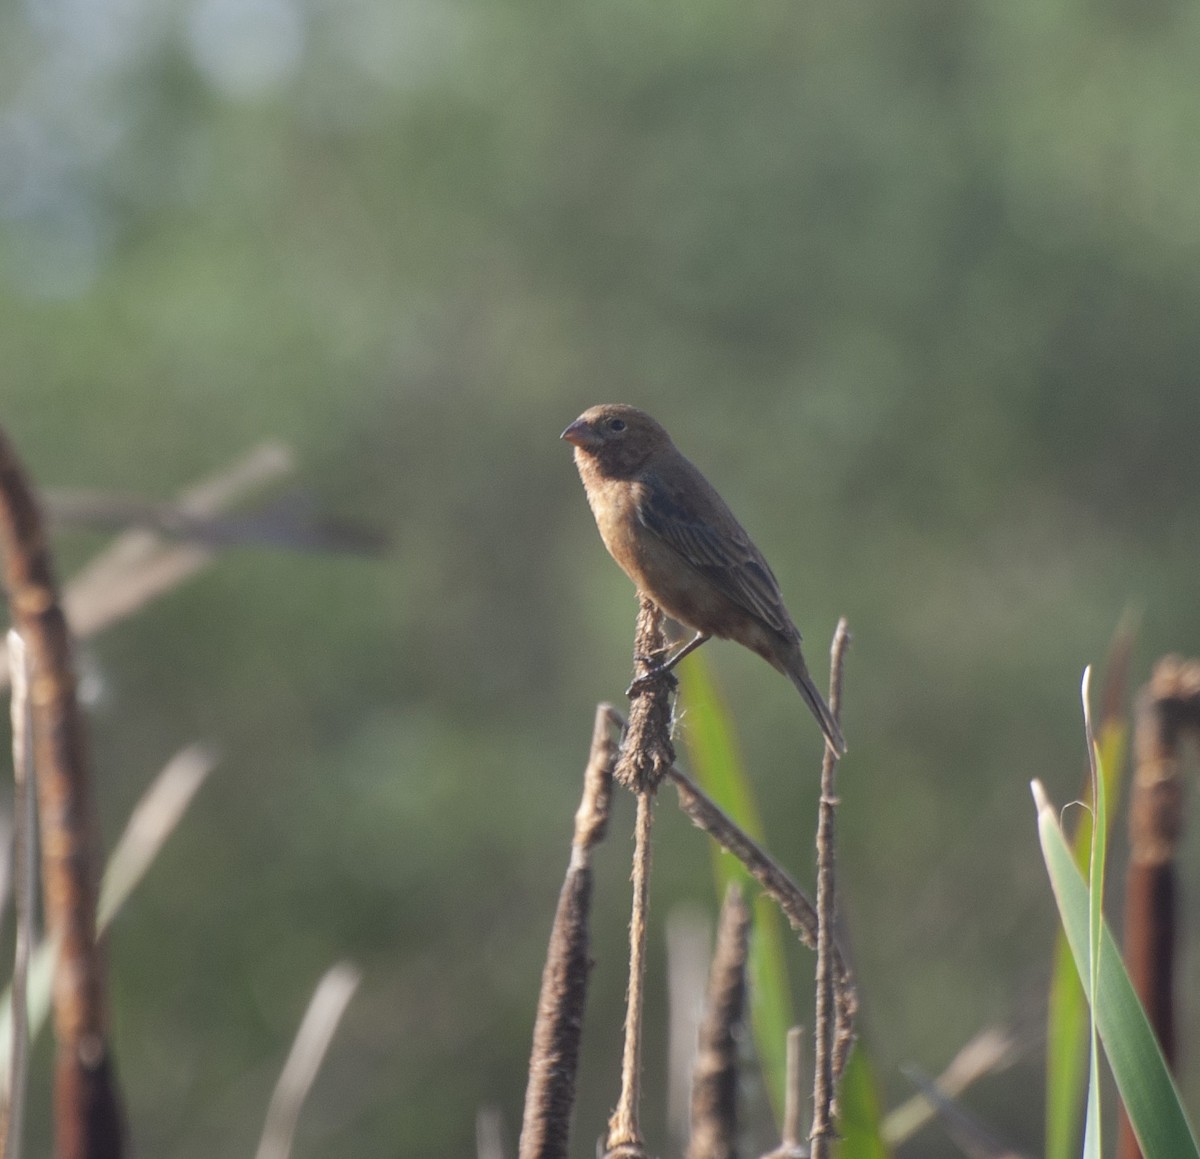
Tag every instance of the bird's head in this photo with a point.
(616, 438)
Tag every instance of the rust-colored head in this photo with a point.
(616, 438)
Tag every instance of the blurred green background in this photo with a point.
(914, 282)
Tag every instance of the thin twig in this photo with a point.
(826, 1031)
(88, 1119)
(24, 819)
(554, 1060)
(624, 1129)
(714, 1089)
(325, 1010)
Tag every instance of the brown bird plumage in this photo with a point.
(674, 536)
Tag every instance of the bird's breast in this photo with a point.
(657, 569)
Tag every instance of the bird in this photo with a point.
(671, 532)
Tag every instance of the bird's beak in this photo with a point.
(581, 434)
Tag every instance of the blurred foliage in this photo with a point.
(911, 281)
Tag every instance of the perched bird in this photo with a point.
(674, 536)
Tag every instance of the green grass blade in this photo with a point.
(1067, 1014)
(713, 754)
(1143, 1080)
(1099, 845)
(860, 1113)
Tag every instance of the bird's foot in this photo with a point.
(656, 670)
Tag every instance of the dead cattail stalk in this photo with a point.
(646, 755)
(829, 1037)
(1168, 710)
(714, 1088)
(550, 1095)
(88, 1120)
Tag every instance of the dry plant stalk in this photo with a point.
(715, 1085)
(646, 756)
(550, 1096)
(88, 1120)
(827, 1034)
(793, 1144)
(1168, 710)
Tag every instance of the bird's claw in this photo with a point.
(656, 670)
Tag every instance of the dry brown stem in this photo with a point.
(554, 1060)
(830, 1033)
(88, 1121)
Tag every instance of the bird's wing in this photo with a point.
(725, 555)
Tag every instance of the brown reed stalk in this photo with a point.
(1168, 710)
(826, 1031)
(646, 756)
(715, 1082)
(793, 1142)
(550, 1095)
(88, 1119)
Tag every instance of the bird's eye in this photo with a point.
(616, 424)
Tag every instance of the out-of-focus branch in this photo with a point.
(289, 523)
(139, 566)
(88, 1121)
(989, 1051)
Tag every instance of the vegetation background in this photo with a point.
(915, 282)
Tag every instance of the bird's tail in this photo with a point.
(801, 679)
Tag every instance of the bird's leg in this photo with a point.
(657, 670)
